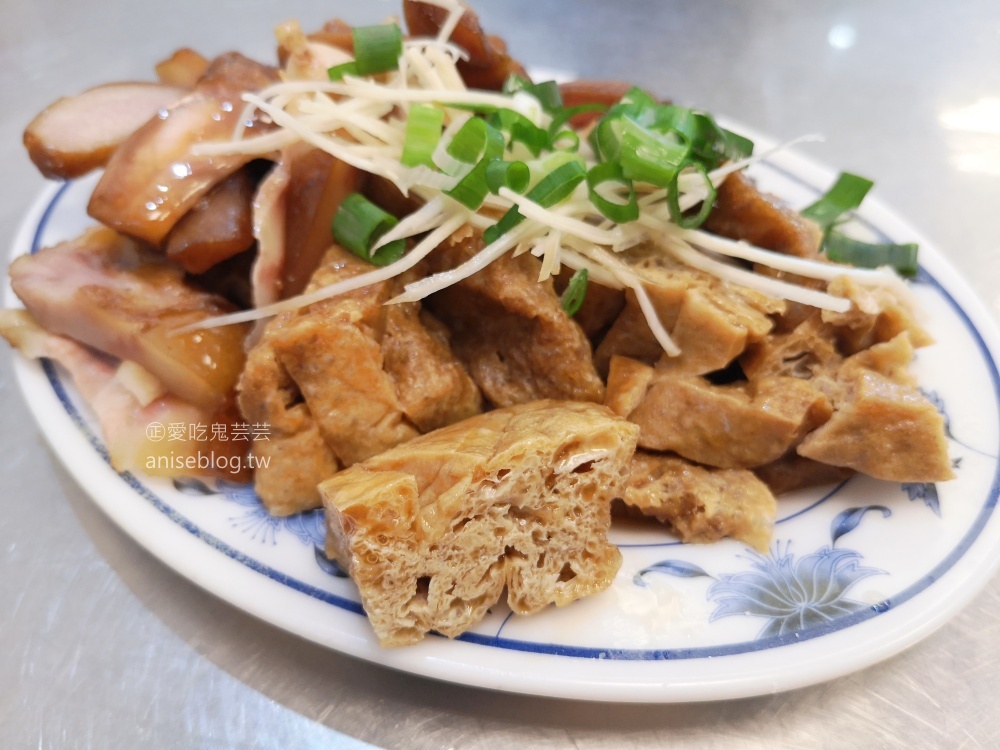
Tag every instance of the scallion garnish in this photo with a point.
(476, 140)
(572, 298)
(645, 157)
(690, 221)
(556, 186)
(480, 143)
(844, 249)
(514, 175)
(845, 195)
(357, 226)
(546, 92)
(617, 211)
(423, 131)
(376, 50)
(521, 129)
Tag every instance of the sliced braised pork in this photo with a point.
(79, 133)
(125, 418)
(153, 178)
(111, 293)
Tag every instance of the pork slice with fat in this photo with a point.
(112, 293)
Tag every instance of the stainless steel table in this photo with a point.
(104, 647)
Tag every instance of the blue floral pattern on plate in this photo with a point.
(792, 595)
(308, 527)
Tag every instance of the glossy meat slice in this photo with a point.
(433, 530)
(217, 227)
(488, 64)
(108, 291)
(153, 179)
(512, 333)
(76, 134)
(125, 419)
(701, 504)
(292, 212)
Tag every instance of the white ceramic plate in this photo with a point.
(856, 572)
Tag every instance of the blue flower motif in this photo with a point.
(308, 527)
(925, 491)
(792, 595)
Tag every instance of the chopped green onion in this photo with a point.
(547, 92)
(576, 290)
(611, 171)
(736, 147)
(514, 175)
(647, 158)
(357, 226)
(521, 129)
(423, 131)
(845, 195)
(471, 190)
(476, 140)
(556, 186)
(566, 140)
(844, 249)
(344, 69)
(565, 114)
(479, 143)
(673, 201)
(708, 143)
(377, 48)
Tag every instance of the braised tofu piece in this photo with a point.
(116, 295)
(794, 472)
(294, 458)
(877, 315)
(701, 504)
(884, 429)
(601, 305)
(808, 351)
(628, 381)
(511, 331)
(344, 379)
(711, 322)
(337, 365)
(742, 212)
(433, 387)
(734, 426)
(432, 531)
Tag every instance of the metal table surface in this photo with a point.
(104, 647)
